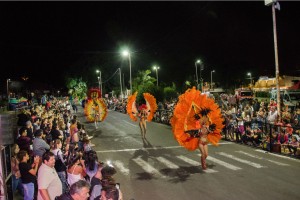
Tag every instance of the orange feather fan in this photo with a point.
(190, 103)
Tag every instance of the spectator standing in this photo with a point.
(16, 175)
(49, 184)
(60, 166)
(28, 174)
(39, 144)
(78, 191)
(23, 141)
(272, 116)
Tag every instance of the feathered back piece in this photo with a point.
(95, 106)
(131, 107)
(192, 107)
(151, 105)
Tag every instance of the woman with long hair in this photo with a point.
(60, 166)
(16, 175)
(76, 169)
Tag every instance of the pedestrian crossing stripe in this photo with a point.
(253, 164)
(224, 164)
(121, 167)
(195, 163)
(168, 163)
(277, 155)
(147, 167)
(261, 158)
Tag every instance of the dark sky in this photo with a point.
(48, 41)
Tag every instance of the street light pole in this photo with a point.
(127, 53)
(250, 75)
(7, 90)
(211, 78)
(275, 5)
(121, 84)
(198, 61)
(156, 68)
(100, 81)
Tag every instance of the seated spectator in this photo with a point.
(247, 138)
(282, 138)
(78, 191)
(257, 137)
(293, 145)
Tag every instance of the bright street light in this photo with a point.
(126, 53)
(211, 78)
(99, 81)
(201, 68)
(249, 74)
(197, 62)
(156, 68)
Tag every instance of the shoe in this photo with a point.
(92, 145)
(90, 137)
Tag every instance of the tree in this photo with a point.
(170, 92)
(77, 87)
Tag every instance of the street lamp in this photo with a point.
(201, 68)
(249, 74)
(156, 68)
(7, 90)
(198, 61)
(211, 78)
(275, 5)
(99, 81)
(126, 53)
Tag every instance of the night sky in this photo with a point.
(49, 41)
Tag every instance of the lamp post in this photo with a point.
(7, 90)
(99, 81)
(121, 84)
(156, 68)
(275, 5)
(211, 78)
(127, 54)
(197, 61)
(250, 77)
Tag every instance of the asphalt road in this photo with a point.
(162, 170)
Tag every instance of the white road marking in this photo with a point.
(147, 167)
(121, 167)
(277, 155)
(195, 163)
(225, 164)
(261, 158)
(168, 163)
(130, 123)
(128, 150)
(256, 165)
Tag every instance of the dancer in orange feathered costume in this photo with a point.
(196, 121)
(145, 112)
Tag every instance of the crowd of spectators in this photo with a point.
(53, 158)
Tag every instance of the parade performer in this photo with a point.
(144, 112)
(196, 121)
(95, 109)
